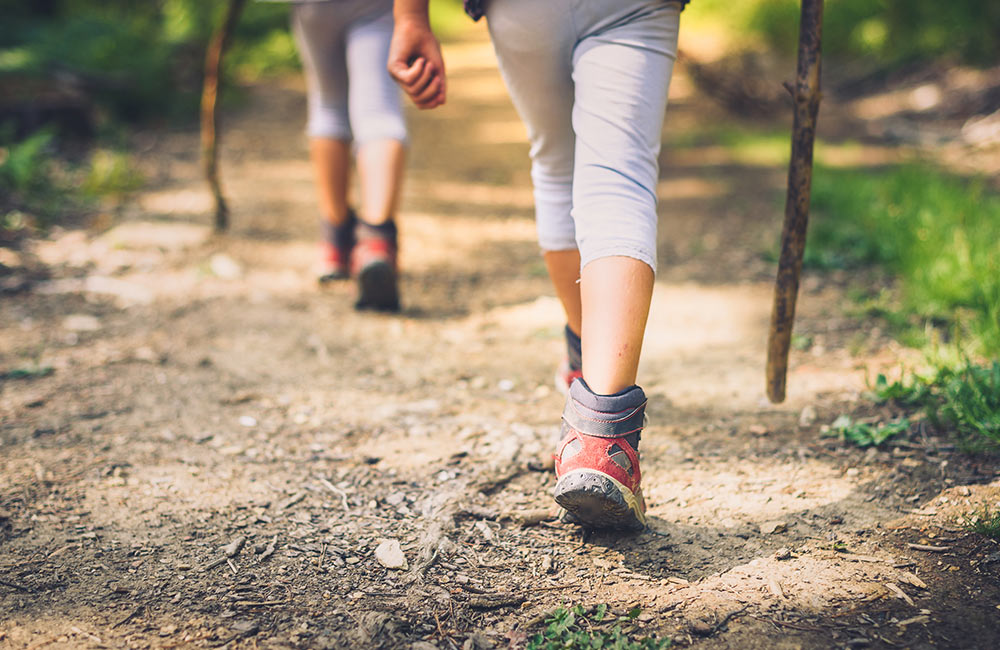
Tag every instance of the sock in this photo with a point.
(341, 235)
(384, 231)
(574, 349)
(624, 400)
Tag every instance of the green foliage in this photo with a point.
(139, 59)
(890, 31)
(938, 234)
(864, 434)
(986, 522)
(963, 399)
(29, 184)
(575, 628)
(39, 188)
(110, 173)
(28, 372)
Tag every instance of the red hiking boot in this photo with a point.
(336, 248)
(375, 263)
(597, 461)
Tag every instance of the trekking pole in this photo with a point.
(806, 96)
(209, 114)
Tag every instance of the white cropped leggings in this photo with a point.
(344, 46)
(590, 78)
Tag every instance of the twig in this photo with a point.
(721, 624)
(557, 587)
(496, 602)
(130, 616)
(928, 548)
(258, 603)
(336, 490)
(232, 566)
(211, 565)
(14, 585)
(793, 626)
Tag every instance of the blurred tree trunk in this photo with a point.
(209, 111)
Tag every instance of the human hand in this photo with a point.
(415, 62)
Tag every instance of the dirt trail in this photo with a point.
(204, 390)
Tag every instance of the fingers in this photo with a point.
(431, 96)
(421, 82)
(405, 74)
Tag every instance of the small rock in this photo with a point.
(807, 417)
(395, 498)
(506, 385)
(390, 555)
(852, 472)
(547, 564)
(758, 430)
(965, 491)
(233, 548)
(423, 645)
(225, 267)
(485, 530)
(782, 554)
(248, 421)
(700, 628)
(245, 628)
(477, 641)
(773, 527)
(167, 630)
(81, 323)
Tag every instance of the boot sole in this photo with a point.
(378, 290)
(594, 499)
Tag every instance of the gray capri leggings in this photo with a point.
(344, 45)
(590, 78)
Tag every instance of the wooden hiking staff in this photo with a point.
(806, 95)
(209, 115)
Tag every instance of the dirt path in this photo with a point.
(204, 391)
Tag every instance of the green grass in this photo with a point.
(963, 399)
(986, 522)
(865, 434)
(39, 187)
(938, 234)
(575, 628)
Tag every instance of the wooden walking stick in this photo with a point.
(806, 95)
(209, 114)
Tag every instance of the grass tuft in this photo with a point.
(865, 434)
(986, 522)
(575, 628)
(964, 399)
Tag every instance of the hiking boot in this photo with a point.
(336, 248)
(597, 460)
(572, 365)
(374, 262)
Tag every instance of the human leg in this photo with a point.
(318, 33)
(380, 131)
(534, 44)
(621, 70)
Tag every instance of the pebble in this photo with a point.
(81, 323)
(248, 421)
(225, 267)
(390, 555)
(773, 527)
(807, 417)
(506, 385)
(783, 554)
